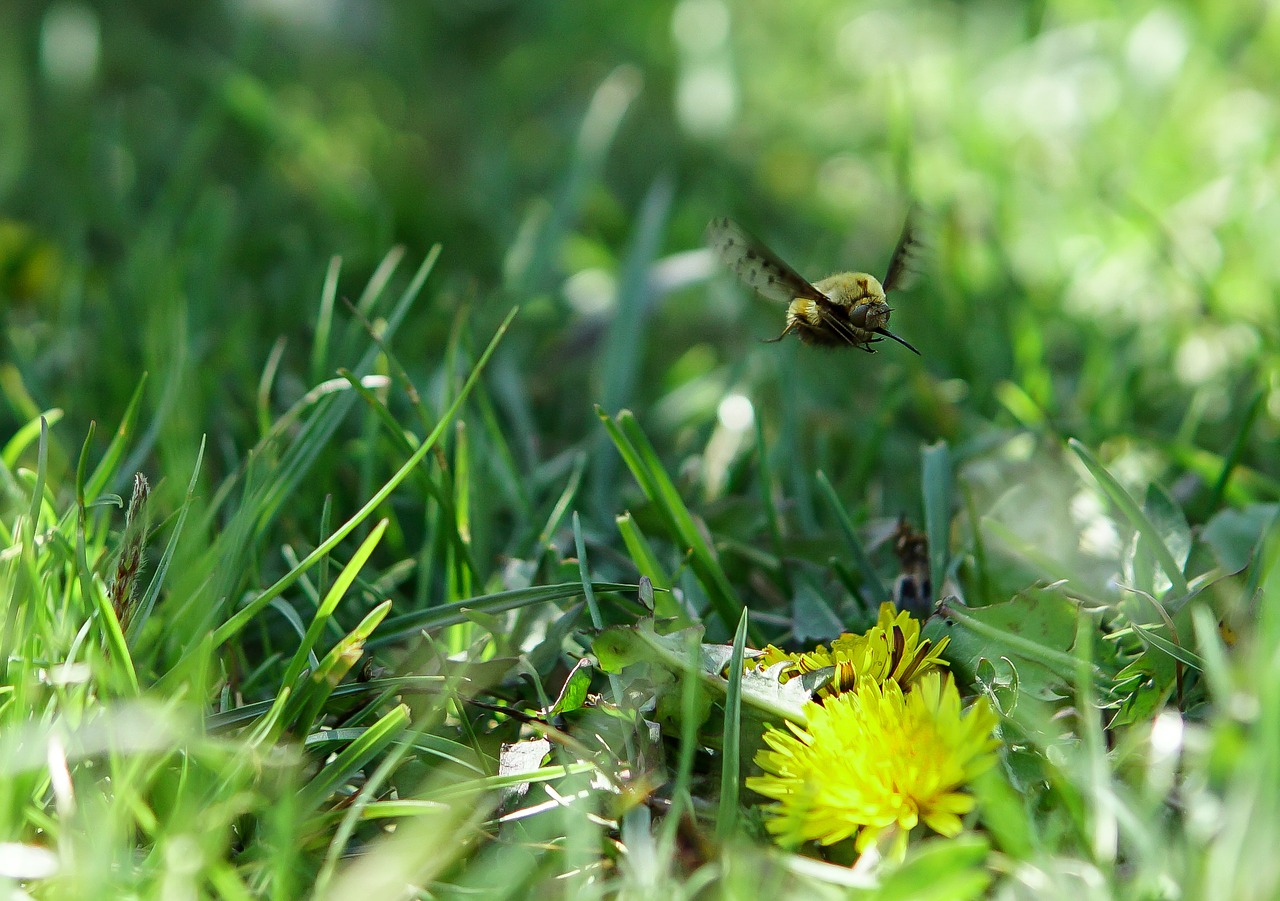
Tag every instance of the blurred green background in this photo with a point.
(1101, 184)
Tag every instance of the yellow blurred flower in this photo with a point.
(873, 760)
(890, 650)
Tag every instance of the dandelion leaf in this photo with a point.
(683, 654)
(1035, 632)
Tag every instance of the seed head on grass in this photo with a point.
(129, 564)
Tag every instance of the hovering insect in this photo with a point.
(844, 310)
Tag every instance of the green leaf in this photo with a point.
(1171, 528)
(941, 869)
(1169, 521)
(1004, 812)
(1150, 682)
(576, 687)
(1141, 523)
(1233, 535)
(812, 617)
(1036, 631)
(624, 646)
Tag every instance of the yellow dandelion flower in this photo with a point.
(875, 759)
(892, 649)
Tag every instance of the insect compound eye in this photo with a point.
(859, 316)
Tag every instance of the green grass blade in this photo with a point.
(563, 502)
(336, 593)
(642, 460)
(248, 714)
(265, 383)
(1238, 444)
(106, 468)
(331, 670)
(936, 487)
(366, 805)
(270, 496)
(377, 283)
(870, 578)
(288, 699)
(401, 627)
(42, 474)
(593, 608)
(727, 819)
(120, 659)
(1176, 651)
(440, 493)
(324, 320)
(626, 338)
(461, 574)
(148, 601)
(242, 617)
(768, 492)
(29, 432)
(666, 605)
(587, 590)
(337, 772)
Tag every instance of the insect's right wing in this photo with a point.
(759, 267)
(906, 256)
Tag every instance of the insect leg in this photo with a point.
(786, 331)
(842, 329)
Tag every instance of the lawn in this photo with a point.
(403, 496)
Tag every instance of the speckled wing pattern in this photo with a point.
(759, 267)
(903, 263)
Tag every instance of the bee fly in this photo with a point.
(847, 309)
(913, 589)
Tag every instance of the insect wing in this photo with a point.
(906, 256)
(759, 267)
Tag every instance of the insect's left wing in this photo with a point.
(905, 261)
(759, 267)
